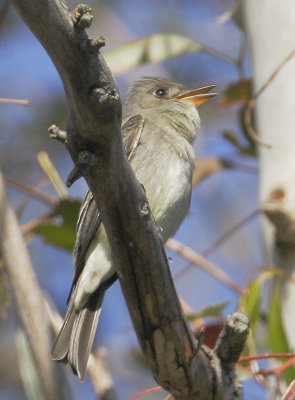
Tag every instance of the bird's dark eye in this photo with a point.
(160, 92)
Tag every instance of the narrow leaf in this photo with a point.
(250, 301)
(150, 49)
(50, 170)
(277, 337)
(214, 310)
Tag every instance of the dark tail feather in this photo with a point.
(61, 345)
(75, 339)
(83, 333)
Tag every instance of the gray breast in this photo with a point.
(164, 165)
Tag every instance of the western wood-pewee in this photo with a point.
(160, 122)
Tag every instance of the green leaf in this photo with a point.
(214, 310)
(250, 305)
(62, 234)
(58, 235)
(69, 209)
(250, 301)
(277, 337)
(237, 93)
(150, 49)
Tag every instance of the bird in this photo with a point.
(160, 121)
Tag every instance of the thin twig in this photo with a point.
(33, 192)
(290, 392)
(219, 54)
(229, 233)
(274, 74)
(201, 261)
(249, 126)
(56, 133)
(146, 391)
(218, 242)
(278, 370)
(228, 14)
(20, 102)
(29, 226)
(251, 103)
(267, 356)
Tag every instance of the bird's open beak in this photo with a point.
(198, 96)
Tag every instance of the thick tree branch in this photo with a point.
(95, 144)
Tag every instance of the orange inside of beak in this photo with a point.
(197, 96)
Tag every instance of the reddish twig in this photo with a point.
(20, 102)
(290, 392)
(147, 391)
(266, 356)
(260, 374)
(277, 372)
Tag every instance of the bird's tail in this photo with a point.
(75, 339)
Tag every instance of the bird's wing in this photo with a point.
(131, 133)
(89, 217)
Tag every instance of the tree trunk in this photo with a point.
(270, 26)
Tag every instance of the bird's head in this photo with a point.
(151, 93)
(159, 99)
